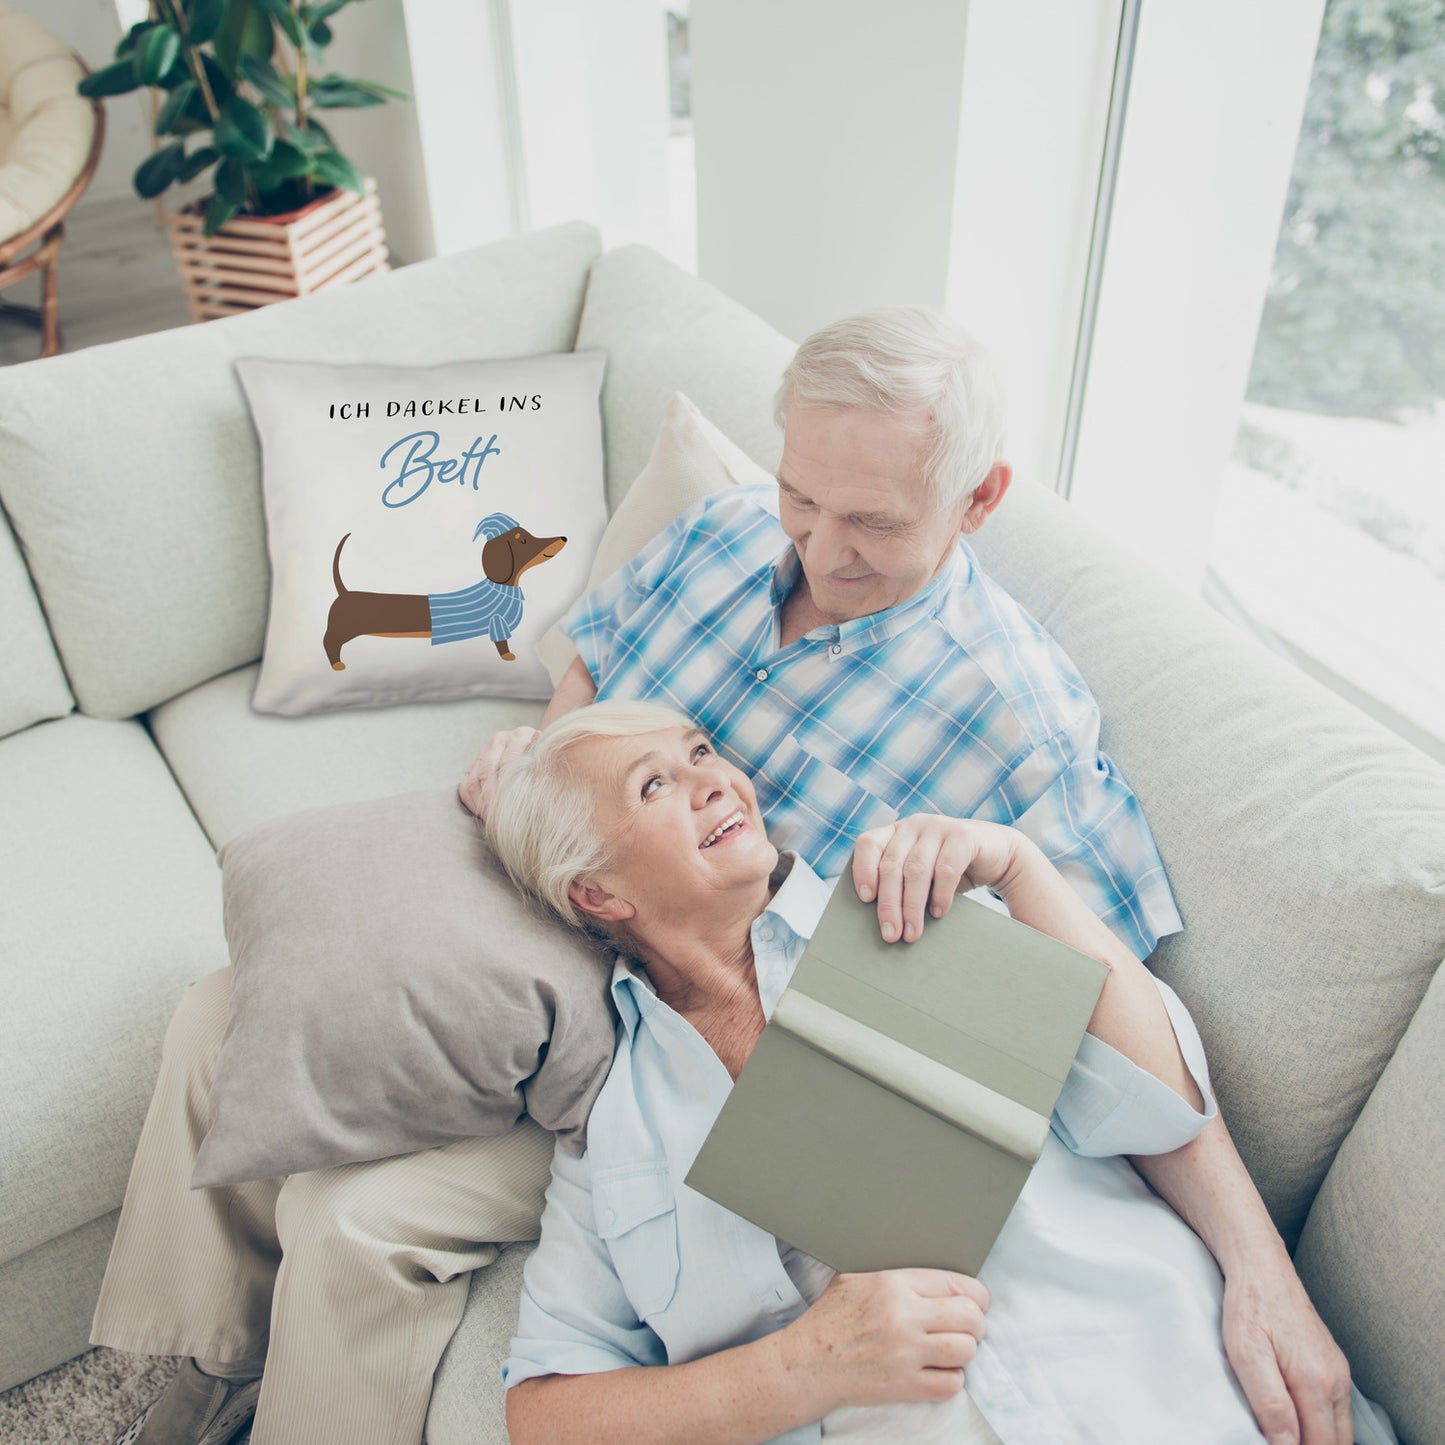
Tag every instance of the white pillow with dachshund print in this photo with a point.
(404, 506)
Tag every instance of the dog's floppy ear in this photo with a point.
(497, 559)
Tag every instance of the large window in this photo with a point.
(1330, 528)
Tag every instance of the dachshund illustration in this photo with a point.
(491, 607)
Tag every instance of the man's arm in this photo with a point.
(1295, 1377)
(576, 689)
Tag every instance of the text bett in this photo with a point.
(417, 469)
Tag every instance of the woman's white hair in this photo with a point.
(908, 360)
(542, 819)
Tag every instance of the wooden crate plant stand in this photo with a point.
(255, 260)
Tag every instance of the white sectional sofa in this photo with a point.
(1306, 847)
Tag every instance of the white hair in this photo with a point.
(542, 820)
(908, 360)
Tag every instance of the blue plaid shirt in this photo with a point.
(954, 702)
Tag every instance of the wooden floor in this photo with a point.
(117, 279)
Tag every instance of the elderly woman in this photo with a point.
(653, 1314)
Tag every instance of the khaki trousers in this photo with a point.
(350, 1281)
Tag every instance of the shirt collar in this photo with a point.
(796, 907)
(878, 626)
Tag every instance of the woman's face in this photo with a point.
(682, 824)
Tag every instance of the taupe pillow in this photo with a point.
(393, 992)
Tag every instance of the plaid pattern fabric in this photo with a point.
(954, 702)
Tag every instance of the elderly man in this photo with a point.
(837, 639)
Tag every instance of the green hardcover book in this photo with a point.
(901, 1093)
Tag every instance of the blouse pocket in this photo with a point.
(637, 1216)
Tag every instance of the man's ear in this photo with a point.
(596, 902)
(986, 496)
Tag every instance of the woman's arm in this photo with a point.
(917, 865)
(903, 1334)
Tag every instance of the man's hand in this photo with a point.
(916, 865)
(1295, 1377)
(475, 788)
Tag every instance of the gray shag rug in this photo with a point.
(86, 1402)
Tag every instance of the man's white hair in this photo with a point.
(908, 360)
(542, 820)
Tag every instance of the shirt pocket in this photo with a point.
(819, 809)
(636, 1212)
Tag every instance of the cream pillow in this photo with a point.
(691, 459)
(404, 505)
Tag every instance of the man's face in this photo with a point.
(852, 499)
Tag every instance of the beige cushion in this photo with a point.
(392, 993)
(151, 559)
(691, 459)
(32, 684)
(239, 768)
(1302, 842)
(45, 140)
(110, 906)
(402, 503)
(664, 331)
(1373, 1250)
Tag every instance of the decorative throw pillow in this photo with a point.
(404, 506)
(691, 459)
(393, 992)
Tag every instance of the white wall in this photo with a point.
(827, 146)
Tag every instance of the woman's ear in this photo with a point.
(596, 902)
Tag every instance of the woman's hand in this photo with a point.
(475, 788)
(897, 1335)
(918, 864)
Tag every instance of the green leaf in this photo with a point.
(244, 31)
(278, 89)
(333, 168)
(174, 110)
(117, 79)
(158, 50)
(333, 92)
(218, 213)
(203, 19)
(231, 182)
(222, 85)
(320, 34)
(313, 140)
(157, 171)
(242, 132)
(285, 17)
(131, 38)
(197, 161)
(378, 89)
(287, 162)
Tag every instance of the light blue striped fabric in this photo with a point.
(954, 702)
(490, 609)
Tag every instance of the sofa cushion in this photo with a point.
(150, 558)
(1301, 840)
(391, 993)
(664, 331)
(32, 683)
(111, 905)
(239, 768)
(1372, 1254)
(408, 547)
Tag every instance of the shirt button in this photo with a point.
(836, 648)
(761, 674)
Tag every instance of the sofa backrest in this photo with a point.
(32, 682)
(131, 472)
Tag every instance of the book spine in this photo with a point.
(953, 1097)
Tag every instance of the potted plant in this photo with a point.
(240, 84)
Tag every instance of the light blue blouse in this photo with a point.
(1105, 1316)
